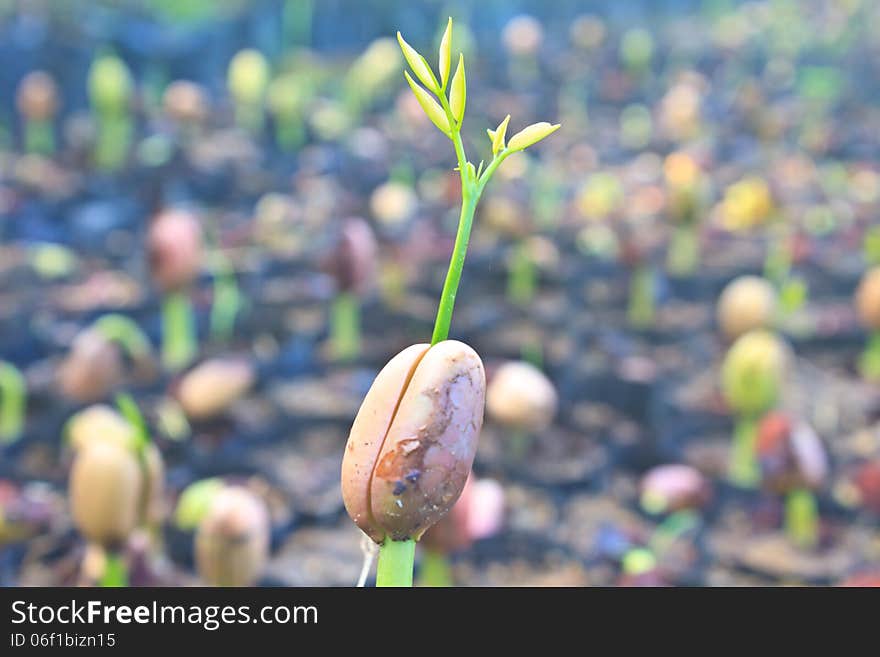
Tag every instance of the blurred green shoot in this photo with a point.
(110, 91)
(435, 570)
(522, 276)
(248, 80)
(871, 246)
(13, 402)
(345, 327)
(179, 341)
(640, 311)
(195, 501)
(126, 333)
(802, 518)
(227, 299)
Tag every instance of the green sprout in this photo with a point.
(642, 291)
(443, 100)
(127, 334)
(248, 79)
(110, 91)
(13, 402)
(227, 302)
(751, 380)
(179, 343)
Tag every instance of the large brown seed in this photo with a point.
(868, 299)
(105, 492)
(368, 433)
(430, 446)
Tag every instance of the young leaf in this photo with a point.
(458, 93)
(430, 106)
(497, 136)
(445, 57)
(419, 66)
(531, 135)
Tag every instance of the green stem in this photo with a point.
(115, 571)
(456, 265)
(522, 277)
(744, 470)
(114, 137)
(435, 570)
(249, 117)
(13, 401)
(684, 251)
(345, 327)
(179, 344)
(395, 566)
(227, 302)
(125, 332)
(38, 137)
(518, 444)
(869, 363)
(641, 297)
(802, 518)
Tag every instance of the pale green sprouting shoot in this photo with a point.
(13, 402)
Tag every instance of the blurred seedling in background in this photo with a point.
(186, 104)
(110, 94)
(523, 400)
(745, 304)
(37, 100)
(232, 535)
(13, 402)
(174, 248)
(752, 377)
(793, 463)
(115, 486)
(867, 301)
(478, 514)
(95, 366)
(371, 76)
(792, 289)
(523, 37)
(352, 263)
(686, 192)
(403, 468)
(248, 81)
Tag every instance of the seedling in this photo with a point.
(353, 265)
(522, 37)
(37, 102)
(175, 253)
(521, 398)
(195, 502)
(13, 402)
(642, 302)
(868, 306)
(747, 303)
(637, 51)
(248, 79)
(94, 365)
(115, 483)
(110, 91)
(404, 467)
(232, 539)
(186, 104)
(684, 187)
(371, 75)
(793, 462)
(227, 301)
(751, 380)
(287, 98)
